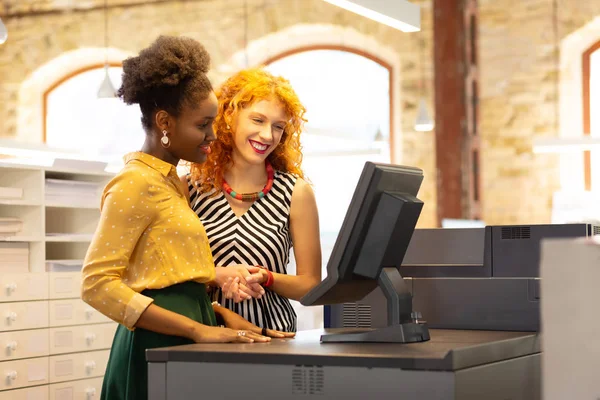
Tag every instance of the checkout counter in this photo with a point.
(461, 322)
(454, 364)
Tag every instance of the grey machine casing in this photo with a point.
(474, 278)
(471, 285)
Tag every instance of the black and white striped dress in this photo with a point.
(261, 236)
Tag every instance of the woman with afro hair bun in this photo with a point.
(253, 201)
(149, 262)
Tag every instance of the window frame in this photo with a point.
(586, 80)
(358, 52)
(62, 80)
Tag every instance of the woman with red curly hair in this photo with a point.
(253, 201)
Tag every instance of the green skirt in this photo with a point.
(126, 376)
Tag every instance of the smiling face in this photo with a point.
(193, 132)
(258, 130)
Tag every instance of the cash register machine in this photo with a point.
(372, 242)
(403, 358)
(484, 278)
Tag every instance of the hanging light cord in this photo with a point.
(557, 63)
(246, 33)
(106, 33)
(422, 68)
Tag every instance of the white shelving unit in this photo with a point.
(56, 229)
(52, 344)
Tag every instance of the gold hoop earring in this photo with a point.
(164, 141)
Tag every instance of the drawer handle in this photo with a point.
(11, 376)
(10, 288)
(90, 365)
(90, 337)
(11, 317)
(11, 346)
(90, 392)
(89, 313)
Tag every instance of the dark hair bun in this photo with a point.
(167, 62)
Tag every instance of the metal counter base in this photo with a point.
(461, 365)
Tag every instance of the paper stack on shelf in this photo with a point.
(68, 192)
(64, 265)
(11, 193)
(14, 257)
(10, 227)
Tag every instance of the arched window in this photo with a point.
(348, 99)
(579, 102)
(591, 114)
(76, 120)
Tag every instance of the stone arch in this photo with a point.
(305, 37)
(30, 117)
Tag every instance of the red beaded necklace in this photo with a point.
(249, 197)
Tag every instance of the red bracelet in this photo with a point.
(270, 279)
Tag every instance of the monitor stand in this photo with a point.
(404, 324)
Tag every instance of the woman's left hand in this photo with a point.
(235, 321)
(258, 275)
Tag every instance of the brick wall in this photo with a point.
(519, 103)
(516, 68)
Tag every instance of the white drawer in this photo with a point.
(87, 389)
(23, 287)
(74, 312)
(23, 315)
(65, 285)
(32, 393)
(70, 367)
(82, 338)
(23, 373)
(24, 344)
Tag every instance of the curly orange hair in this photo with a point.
(240, 91)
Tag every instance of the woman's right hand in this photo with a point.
(212, 334)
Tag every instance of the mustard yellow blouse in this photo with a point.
(147, 238)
